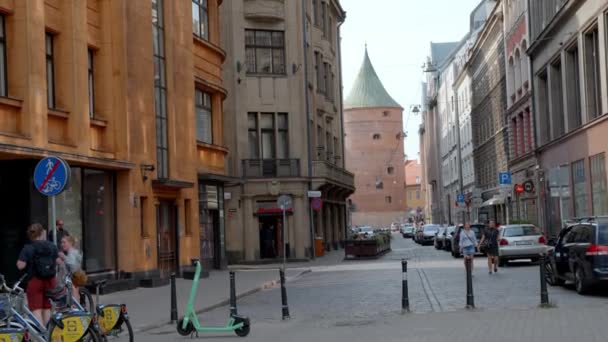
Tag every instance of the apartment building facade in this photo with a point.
(284, 74)
(113, 87)
(569, 58)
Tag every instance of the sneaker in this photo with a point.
(490, 273)
(495, 269)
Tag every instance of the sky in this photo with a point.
(398, 34)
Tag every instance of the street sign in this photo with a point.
(460, 197)
(519, 188)
(316, 204)
(504, 178)
(51, 176)
(529, 186)
(314, 194)
(284, 201)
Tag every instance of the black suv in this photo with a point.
(580, 254)
(478, 228)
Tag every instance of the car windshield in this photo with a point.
(430, 229)
(514, 231)
(602, 234)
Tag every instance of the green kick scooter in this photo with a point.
(189, 324)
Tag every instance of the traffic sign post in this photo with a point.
(51, 176)
(284, 202)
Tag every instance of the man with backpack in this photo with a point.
(40, 259)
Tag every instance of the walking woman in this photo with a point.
(490, 238)
(468, 242)
(72, 259)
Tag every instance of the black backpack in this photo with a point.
(45, 255)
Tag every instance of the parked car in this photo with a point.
(367, 231)
(427, 235)
(407, 230)
(440, 238)
(455, 242)
(447, 238)
(520, 241)
(580, 255)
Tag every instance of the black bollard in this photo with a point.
(544, 295)
(405, 300)
(470, 297)
(285, 307)
(233, 311)
(173, 300)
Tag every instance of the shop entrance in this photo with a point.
(271, 236)
(166, 222)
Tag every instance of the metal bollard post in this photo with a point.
(173, 299)
(285, 307)
(544, 295)
(233, 310)
(470, 297)
(405, 300)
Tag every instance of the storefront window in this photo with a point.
(598, 184)
(581, 207)
(560, 198)
(68, 206)
(99, 221)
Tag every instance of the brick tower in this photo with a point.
(373, 125)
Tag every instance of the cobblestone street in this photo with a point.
(358, 294)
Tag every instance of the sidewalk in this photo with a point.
(150, 307)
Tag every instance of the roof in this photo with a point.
(367, 90)
(441, 51)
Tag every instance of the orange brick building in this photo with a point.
(373, 124)
(130, 94)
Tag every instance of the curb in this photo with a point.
(224, 302)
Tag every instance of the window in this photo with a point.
(99, 242)
(599, 193)
(521, 133)
(265, 52)
(160, 90)
(324, 18)
(252, 120)
(390, 170)
(320, 139)
(514, 137)
(376, 136)
(143, 204)
(329, 147)
(326, 79)
(274, 137)
(410, 195)
(592, 74)
(573, 87)
(3, 61)
(580, 189)
(388, 199)
(200, 19)
(316, 12)
(187, 214)
(336, 149)
(557, 99)
(50, 71)
(283, 136)
(417, 179)
(320, 73)
(204, 122)
(417, 194)
(385, 113)
(91, 83)
(543, 108)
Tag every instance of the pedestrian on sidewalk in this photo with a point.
(61, 232)
(468, 242)
(72, 259)
(489, 241)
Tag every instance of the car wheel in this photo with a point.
(550, 275)
(582, 286)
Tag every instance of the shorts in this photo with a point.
(469, 250)
(36, 288)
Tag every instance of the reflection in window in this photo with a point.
(200, 19)
(265, 51)
(598, 184)
(100, 234)
(204, 122)
(580, 190)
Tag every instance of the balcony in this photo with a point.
(333, 173)
(271, 168)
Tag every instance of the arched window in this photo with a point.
(511, 83)
(376, 136)
(524, 65)
(517, 79)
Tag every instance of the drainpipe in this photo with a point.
(341, 113)
(308, 129)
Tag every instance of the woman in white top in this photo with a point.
(468, 243)
(72, 258)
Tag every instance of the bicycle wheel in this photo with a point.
(86, 300)
(90, 335)
(123, 333)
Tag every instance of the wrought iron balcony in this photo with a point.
(270, 168)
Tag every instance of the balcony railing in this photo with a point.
(324, 169)
(269, 168)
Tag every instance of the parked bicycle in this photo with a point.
(67, 324)
(112, 319)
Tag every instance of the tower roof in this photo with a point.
(368, 91)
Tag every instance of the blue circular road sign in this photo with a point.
(51, 176)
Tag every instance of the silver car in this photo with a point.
(520, 241)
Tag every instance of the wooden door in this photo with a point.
(166, 224)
